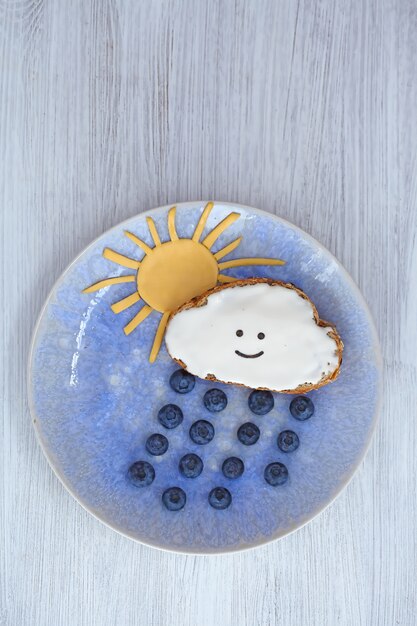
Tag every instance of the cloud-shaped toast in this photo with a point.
(259, 333)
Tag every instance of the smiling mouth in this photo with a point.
(249, 356)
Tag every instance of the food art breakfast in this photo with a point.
(260, 333)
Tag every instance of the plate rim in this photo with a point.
(193, 204)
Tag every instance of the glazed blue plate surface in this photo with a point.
(95, 397)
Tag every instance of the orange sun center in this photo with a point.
(175, 272)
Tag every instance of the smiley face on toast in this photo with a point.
(258, 333)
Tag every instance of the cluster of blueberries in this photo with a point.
(142, 473)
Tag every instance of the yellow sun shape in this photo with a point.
(173, 272)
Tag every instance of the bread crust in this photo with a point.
(304, 388)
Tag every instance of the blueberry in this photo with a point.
(233, 467)
(182, 381)
(202, 432)
(157, 444)
(261, 402)
(288, 441)
(276, 474)
(248, 434)
(215, 400)
(174, 498)
(301, 408)
(170, 416)
(191, 466)
(220, 498)
(141, 474)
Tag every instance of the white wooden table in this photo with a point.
(308, 110)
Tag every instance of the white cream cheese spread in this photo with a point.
(260, 335)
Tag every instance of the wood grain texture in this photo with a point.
(306, 109)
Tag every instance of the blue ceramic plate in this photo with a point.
(95, 398)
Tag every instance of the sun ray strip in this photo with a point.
(171, 224)
(125, 303)
(144, 246)
(222, 278)
(121, 259)
(159, 337)
(153, 231)
(202, 221)
(228, 249)
(139, 317)
(256, 261)
(109, 281)
(217, 231)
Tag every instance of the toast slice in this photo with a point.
(183, 333)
